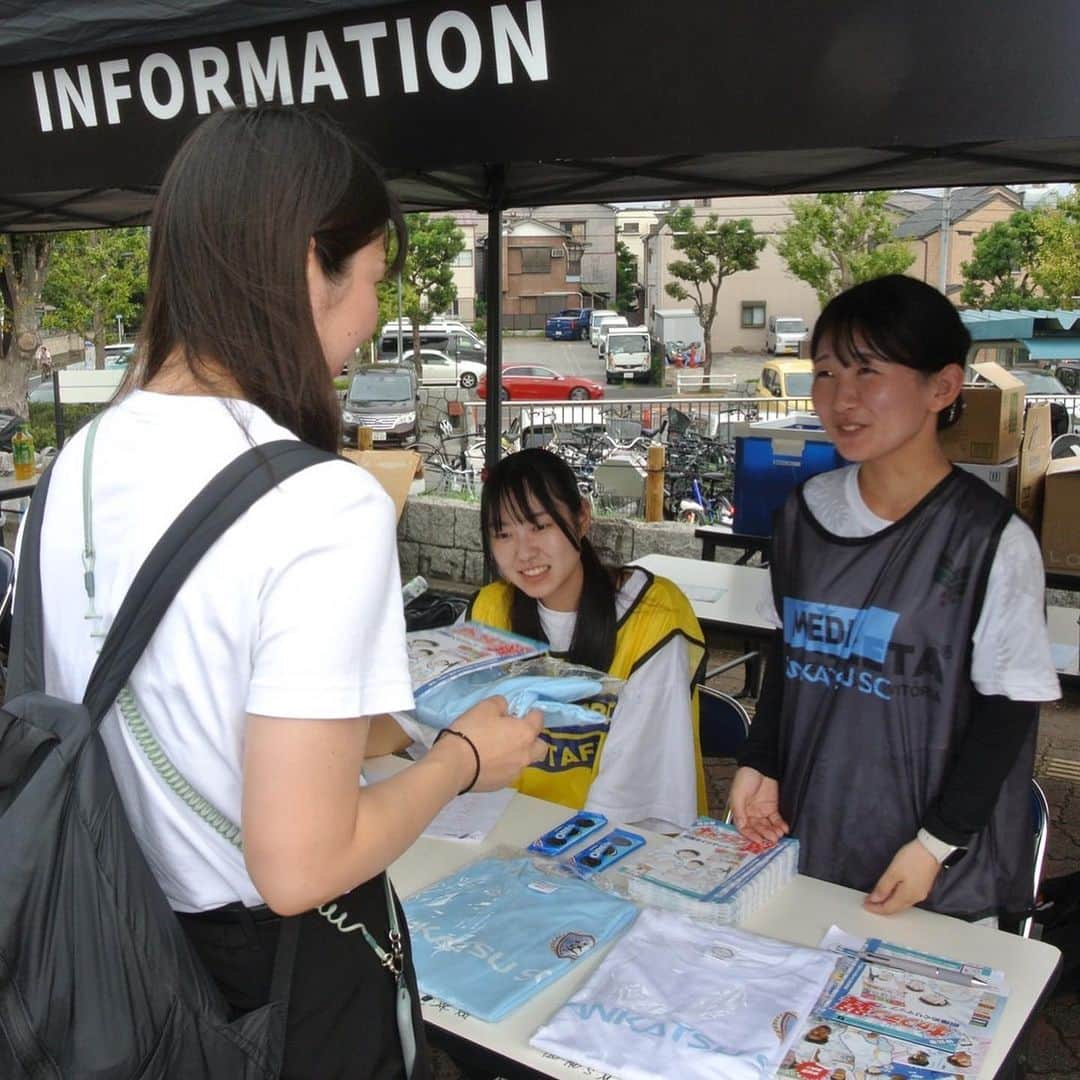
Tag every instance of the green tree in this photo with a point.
(1000, 272)
(428, 276)
(94, 276)
(836, 240)
(1057, 267)
(24, 263)
(626, 279)
(711, 252)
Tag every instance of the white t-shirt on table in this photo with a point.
(295, 612)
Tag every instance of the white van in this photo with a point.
(785, 334)
(627, 351)
(617, 323)
(596, 321)
(458, 343)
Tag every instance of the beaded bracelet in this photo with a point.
(472, 747)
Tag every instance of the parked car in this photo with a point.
(385, 398)
(528, 382)
(570, 323)
(438, 369)
(786, 379)
(454, 340)
(597, 320)
(785, 334)
(1064, 417)
(119, 355)
(1067, 372)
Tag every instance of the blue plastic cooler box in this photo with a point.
(763, 478)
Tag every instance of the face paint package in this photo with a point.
(676, 997)
(712, 872)
(493, 934)
(455, 667)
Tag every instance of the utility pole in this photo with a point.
(943, 247)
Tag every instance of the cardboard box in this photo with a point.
(1061, 515)
(1002, 478)
(394, 469)
(989, 431)
(1033, 463)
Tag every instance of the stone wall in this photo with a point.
(439, 537)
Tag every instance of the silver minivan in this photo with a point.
(455, 341)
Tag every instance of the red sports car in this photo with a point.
(528, 382)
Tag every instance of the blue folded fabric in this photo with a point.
(553, 695)
(493, 935)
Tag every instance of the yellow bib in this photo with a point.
(660, 612)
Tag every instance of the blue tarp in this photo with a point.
(1052, 348)
(1018, 325)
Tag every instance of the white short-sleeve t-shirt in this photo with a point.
(295, 612)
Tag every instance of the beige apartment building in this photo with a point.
(632, 227)
(969, 212)
(746, 299)
(464, 307)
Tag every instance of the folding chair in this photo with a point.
(1040, 811)
(724, 723)
(752, 678)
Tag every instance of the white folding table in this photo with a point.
(801, 914)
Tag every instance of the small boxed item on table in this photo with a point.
(712, 872)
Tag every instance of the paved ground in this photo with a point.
(1053, 1051)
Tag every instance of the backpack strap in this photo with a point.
(26, 654)
(230, 494)
(233, 491)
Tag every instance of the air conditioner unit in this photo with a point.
(558, 253)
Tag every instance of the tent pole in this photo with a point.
(493, 295)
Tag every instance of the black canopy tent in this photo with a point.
(527, 102)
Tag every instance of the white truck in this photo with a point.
(628, 352)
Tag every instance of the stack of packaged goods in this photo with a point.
(711, 872)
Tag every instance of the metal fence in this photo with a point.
(623, 418)
(716, 416)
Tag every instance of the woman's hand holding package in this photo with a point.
(506, 744)
(755, 806)
(907, 881)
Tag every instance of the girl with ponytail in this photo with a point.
(641, 761)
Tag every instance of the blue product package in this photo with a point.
(609, 849)
(443, 704)
(488, 938)
(572, 831)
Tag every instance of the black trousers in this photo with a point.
(342, 1023)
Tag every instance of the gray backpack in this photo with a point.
(97, 979)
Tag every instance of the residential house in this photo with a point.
(746, 299)
(464, 307)
(540, 275)
(632, 226)
(969, 211)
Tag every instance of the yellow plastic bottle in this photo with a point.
(22, 453)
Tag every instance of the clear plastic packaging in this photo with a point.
(493, 934)
(711, 872)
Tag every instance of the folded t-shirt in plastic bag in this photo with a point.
(676, 997)
(492, 935)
